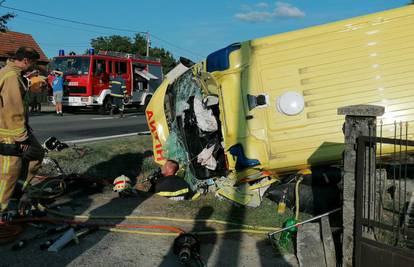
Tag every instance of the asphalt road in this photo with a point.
(73, 127)
(109, 249)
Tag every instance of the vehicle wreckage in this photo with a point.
(270, 104)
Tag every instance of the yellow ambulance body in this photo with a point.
(363, 60)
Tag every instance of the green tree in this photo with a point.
(134, 45)
(167, 59)
(3, 21)
(140, 45)
(113, 43)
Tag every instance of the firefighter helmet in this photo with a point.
(121, 183)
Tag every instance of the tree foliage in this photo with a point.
(135, 45)
(3, 21)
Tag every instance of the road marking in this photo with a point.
(106, 137)
(100, 138)
(110, 118)
(103, 118)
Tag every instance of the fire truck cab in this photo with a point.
(86, 78)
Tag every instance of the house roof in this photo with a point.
(11, 41)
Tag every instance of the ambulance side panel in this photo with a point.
(364, 60)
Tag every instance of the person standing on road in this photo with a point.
(57, 85)
(36, 87)
(20, 153)
(118, 93)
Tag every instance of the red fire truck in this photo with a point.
(86, 78)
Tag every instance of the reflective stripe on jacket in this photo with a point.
(118, 87)
(12, 109)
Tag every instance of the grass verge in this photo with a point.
(107, 159)
(132, 156)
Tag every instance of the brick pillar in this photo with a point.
(360, 120)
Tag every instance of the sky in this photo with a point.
(191, 29)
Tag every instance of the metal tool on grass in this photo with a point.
(272, 234)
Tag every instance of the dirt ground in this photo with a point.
(104, 248)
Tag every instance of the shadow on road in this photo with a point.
(229, 254)
(79, 203)
(207, 242)
(129, 164)
(270, 256)
(117, 207)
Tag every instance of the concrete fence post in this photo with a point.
(360, 120)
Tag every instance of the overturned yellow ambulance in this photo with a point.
(275, 99)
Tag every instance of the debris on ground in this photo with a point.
(245, 187)
(318, 191)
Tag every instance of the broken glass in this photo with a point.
(187, 139)
(174, 149)
(184, 88)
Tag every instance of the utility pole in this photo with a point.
(148, 43)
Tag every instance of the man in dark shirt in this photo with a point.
(118, 92)
(170, 168)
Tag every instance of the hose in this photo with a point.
(48, 190)
(297, 197)
(244, 227)
(227, 231)
(100, 224)
(216, 232)
(153, 218)
(115, 230)
(164, 227)
(174, 231)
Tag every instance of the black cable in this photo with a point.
(171, 44)
(59, 25)
(98, 26)
(72, 21)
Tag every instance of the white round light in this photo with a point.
(290, 103)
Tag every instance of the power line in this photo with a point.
(59, 25)
(71, 21)
(173, 45)
(99, 26)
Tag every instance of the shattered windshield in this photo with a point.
(193, 129)
(177, 97)
(72, 65)
(176, 102)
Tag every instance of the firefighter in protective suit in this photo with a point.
(20, 153)
(118, 93)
